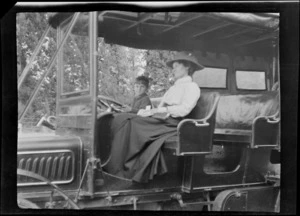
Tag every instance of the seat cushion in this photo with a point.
(239, 111)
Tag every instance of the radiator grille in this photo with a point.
(57, 166)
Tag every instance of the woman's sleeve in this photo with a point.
(162, 102)
(188, 102)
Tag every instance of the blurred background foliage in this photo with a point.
(118, 66)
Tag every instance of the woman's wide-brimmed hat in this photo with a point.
(186, 57)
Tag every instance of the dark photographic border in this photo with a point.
(289, 72)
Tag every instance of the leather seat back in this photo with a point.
(204, 105)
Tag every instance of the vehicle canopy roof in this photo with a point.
(240, 33)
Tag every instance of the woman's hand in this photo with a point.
(146, 113)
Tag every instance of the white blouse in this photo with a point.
(181, 98)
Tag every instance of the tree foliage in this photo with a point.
(156, 69)
(30, 27)
(76, 64)
(118, 66)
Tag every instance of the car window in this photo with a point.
(75, 54)
(251, 80)
(211, 77)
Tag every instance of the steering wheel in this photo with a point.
(108, 104)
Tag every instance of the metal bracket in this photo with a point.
(109, 199)
(178, 197)
(134, 202)
(209, 207)
(95, 163)
(50, 204)
(201, 124)
(272, 177)
(273, 120)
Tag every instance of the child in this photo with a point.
(141, 99)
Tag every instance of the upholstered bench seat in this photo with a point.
(239, 111)
(248, 118)
(240, 119)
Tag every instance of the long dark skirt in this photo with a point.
(136, 146)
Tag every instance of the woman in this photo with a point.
(137, 139)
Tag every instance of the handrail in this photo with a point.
(271, 120)
(203, 121)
